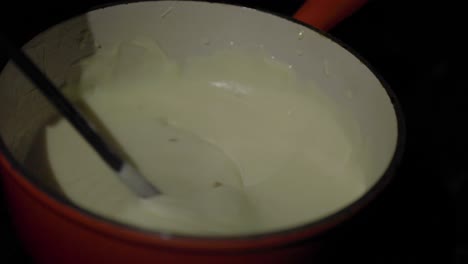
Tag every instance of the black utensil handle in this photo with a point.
(50, 91)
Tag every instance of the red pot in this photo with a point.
(56, 231)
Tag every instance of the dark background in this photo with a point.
(416, 45)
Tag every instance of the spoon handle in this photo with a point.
(127, 173)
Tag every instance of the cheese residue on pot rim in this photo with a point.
(236, 143)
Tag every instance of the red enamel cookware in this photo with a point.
(54, 230)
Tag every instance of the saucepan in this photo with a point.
(55, 230)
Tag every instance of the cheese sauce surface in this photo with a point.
(235, 141)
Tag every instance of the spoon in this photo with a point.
(125, 171)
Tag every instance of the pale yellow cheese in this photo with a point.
(237, 144)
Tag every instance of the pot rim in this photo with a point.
(117, 230)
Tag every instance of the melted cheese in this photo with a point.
(237, 144)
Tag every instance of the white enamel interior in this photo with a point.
(193, 28)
